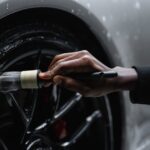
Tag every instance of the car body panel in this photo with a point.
(122, 26)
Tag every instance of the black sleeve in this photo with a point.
(141, 93)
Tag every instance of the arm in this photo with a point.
(83, 61)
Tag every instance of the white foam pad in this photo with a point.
(29, 79)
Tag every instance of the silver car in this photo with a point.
(32, 32)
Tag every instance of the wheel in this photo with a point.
(54, 117)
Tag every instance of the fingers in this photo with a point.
(58, 57)
(68, 56)
(83, 64)
(62, 56)
(71, 84)
(81, 61)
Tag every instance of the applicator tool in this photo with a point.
(13, 81)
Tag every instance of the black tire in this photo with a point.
(32, 46)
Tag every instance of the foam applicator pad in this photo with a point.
(29, 79)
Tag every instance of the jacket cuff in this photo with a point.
(141, 93)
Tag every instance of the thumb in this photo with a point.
(70, 84)
(45, 75)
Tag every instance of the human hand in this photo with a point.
(82, 62)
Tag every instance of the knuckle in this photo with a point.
(56, 57)
(87, 59)
(84, 52)
(58, 63)
(68, 83)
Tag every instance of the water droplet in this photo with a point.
(108, 35)
(30, 39)
(137, 5)
(1, 1)
(103, 18)
(66, 42)
(42, 37)
(88, 5)
(7, 6)
(72, 10)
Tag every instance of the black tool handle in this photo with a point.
(94, 75)
(85, 76)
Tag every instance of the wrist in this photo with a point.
(126, 80)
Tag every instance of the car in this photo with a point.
(32, 33)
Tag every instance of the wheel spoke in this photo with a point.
(3, 145)
(66, 107)
(14, 104)
(56, 93)
(34, 94)
(61, 112)
(83, 128)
